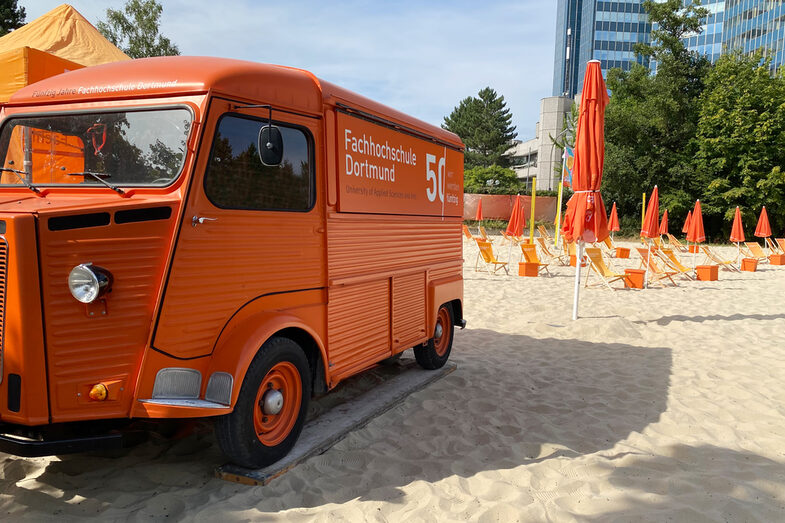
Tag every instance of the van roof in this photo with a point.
(286, 87)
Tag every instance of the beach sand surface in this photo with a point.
(659, 404)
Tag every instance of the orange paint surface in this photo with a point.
(354, 279)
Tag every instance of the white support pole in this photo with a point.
(578, 260)
(648, 261)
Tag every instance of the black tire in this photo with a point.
(237, 433)
(434, 353)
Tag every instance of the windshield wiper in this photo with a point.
(21, 179)
(99, 177)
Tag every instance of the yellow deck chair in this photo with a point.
(656, 273)
(676, 244)
(597, 265)
(772, 246)
(488, 258)
(658, 242)
(781, 243)
(515, 240)
(467, 234)
(725, 264)
(559, 258)
(544, 232)
(671, 260)
(529, 251)
(756, 251)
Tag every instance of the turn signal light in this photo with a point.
(98, 392)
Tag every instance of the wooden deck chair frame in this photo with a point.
(712, 256)
(529, 252)
(597, 265)
(669, 258)
(544, 232)
(656, 273)
(560, 258)
(676, 244)
(773, 246)
(756, 251)
(485, 253)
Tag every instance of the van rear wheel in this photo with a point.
(434, 353)
(271, 408)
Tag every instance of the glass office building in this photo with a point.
(597, 30)
(754, 24)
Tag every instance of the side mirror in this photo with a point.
(270, 146)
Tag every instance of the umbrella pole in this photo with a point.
(648, 261)
(578, 260)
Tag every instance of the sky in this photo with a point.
(420, 57)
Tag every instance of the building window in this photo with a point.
(237, 179)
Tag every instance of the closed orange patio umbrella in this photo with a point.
(651, 226)
(478, 216)
(586, 219)
(517, 222)
(613, 223)
(737, 231)
(696, 233)
(686, 227)
(763, 229)
(664, 223)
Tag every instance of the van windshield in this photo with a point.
(127, 148)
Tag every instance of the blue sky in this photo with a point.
(419, 57)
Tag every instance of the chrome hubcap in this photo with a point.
(272, 403)
(439, 331)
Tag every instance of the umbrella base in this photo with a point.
(749, 264)
(777, 259)
(708, 272)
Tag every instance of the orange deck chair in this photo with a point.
(781, 243)
(597, 264)
(671, 260)
(484, 235)
(756, 251)
(488, 258)
(676, 244)
(561, 259)
(544, 232)
(656, 273)
(529, 251)
(728, 265)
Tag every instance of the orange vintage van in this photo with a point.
(190, 237)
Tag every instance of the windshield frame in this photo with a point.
(9, 117)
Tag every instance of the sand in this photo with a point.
(663, 404)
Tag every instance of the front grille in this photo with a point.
(3, 267)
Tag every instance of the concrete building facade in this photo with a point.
(538, 156)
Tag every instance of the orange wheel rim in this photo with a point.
(442, 341)
(273, 427)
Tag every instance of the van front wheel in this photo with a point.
(433, 354)
(271, 408)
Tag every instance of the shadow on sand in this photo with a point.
(514, 400)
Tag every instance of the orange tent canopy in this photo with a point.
(763, 229)
(737, 231)
(651, 223)
(58, 41)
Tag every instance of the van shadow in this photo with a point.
(701, 483)
(514, 400)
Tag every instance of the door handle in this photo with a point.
(201, 219)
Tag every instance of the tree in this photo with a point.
(484, 125)
(740, 137)
(135, 30)
(11, 16)
(651, 120)
(477, 179)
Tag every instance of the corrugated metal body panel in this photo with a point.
(3, 269)
(366, 244)
(219, 266)
(408, 309)
(358, 320)
(85, 348)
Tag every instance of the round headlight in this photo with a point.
(87, 282)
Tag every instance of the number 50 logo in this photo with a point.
(437, 181)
